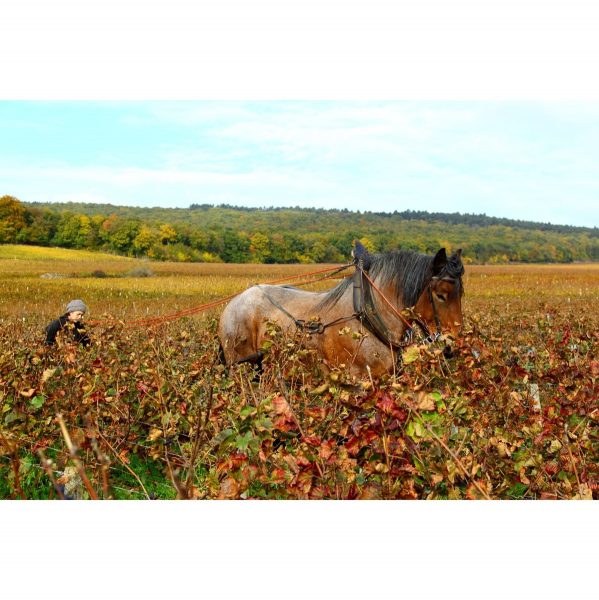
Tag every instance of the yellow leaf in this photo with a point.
(47, 374)
(584, 493)
(410, 355)
(320, 389)
(554, 446)
(28, 393)
(155, 433)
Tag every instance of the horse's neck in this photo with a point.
(387, 304)
(384, 298)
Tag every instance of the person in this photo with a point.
(72, 320)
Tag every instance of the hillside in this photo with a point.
(209, 233)
(239, 217)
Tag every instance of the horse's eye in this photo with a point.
(441, 297)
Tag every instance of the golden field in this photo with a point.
(24, 293)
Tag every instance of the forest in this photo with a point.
(223, 233)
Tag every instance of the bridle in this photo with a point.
(365, 310)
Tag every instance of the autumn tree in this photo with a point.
(13, 218)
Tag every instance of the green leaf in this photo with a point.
(10, 417)
(37, 402)
(410, 355)
(517, 490)
(247, 411)
(223, 436)
(243, 441)
(415, 429)
(263, 424)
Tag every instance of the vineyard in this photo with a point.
(149, 412)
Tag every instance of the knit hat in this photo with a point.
(74, 305)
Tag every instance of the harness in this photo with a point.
(366, 312)
(365, 309)
(309, 326)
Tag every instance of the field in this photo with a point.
(148, 412)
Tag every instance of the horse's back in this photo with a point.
(242, 323)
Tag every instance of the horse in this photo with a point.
(371, 304)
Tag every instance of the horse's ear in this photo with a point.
(439, 261)
(361, 255)
(458, 253)
(359, 250)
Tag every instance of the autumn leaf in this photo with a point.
(410, 355)
(281, 406)
(312, 440)
(425, 402)
(47, 374)
(229, 489)
(386, 403)
(476, 493)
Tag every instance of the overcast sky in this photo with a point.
(522, 160)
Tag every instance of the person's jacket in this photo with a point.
(77, 328)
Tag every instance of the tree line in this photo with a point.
(207, 233)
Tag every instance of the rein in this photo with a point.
(364, 306)
(365, 311)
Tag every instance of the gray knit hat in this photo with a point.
(74, 305)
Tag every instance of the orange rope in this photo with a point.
(409, 325)
(212, 304)
(328, 270)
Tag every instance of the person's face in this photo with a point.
(76, 315)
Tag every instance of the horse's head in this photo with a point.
(440, 304)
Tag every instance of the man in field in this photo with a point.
(71, 321)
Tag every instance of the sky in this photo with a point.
(529, 160)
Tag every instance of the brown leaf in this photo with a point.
(229, 489)
(425, 402)
(281, 406)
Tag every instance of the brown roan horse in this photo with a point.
(369, 304)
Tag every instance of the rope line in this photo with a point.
(407, 323)
(214, 303)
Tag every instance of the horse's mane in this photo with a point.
(407, 271)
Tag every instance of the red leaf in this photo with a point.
(312, 440)
(386, 404)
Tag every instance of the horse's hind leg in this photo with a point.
(256, 361)
(221, 355)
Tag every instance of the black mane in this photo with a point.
(407, 271)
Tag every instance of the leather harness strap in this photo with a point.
(308, 326)
(365, 311)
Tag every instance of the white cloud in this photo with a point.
(505, 159)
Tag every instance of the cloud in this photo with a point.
(514, 159)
